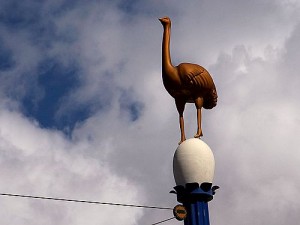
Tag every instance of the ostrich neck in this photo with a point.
(167, 67)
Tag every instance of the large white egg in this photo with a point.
(193, 162)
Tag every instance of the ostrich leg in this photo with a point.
(199, 104)
(180, 104)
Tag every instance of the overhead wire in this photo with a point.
(84, 201)
(163, 221)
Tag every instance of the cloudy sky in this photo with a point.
(84, 114)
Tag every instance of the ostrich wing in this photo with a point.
(194, 76)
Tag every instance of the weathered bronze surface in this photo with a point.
(186, 83)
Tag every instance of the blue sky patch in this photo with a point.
(130, 105)
(55, 82)
(6, 58)
(39, 24)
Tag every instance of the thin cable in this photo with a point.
(83, 201)
(163, 221)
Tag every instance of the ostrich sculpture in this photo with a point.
(186, 83)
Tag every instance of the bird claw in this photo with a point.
(182, 140)
(198, 135)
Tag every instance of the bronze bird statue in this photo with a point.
(186, 83)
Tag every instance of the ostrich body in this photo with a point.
(186, 83)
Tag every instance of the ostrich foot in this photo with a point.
(182, 140)
(198, 135)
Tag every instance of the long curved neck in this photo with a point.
(167, 66)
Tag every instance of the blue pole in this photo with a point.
(197, 213)
(195, 199)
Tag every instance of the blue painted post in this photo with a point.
(195, 199)
(197, 213)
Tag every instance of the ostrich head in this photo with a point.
(165, 21)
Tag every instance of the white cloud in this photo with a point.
(44, 163)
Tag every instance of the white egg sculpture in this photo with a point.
(193, 162)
